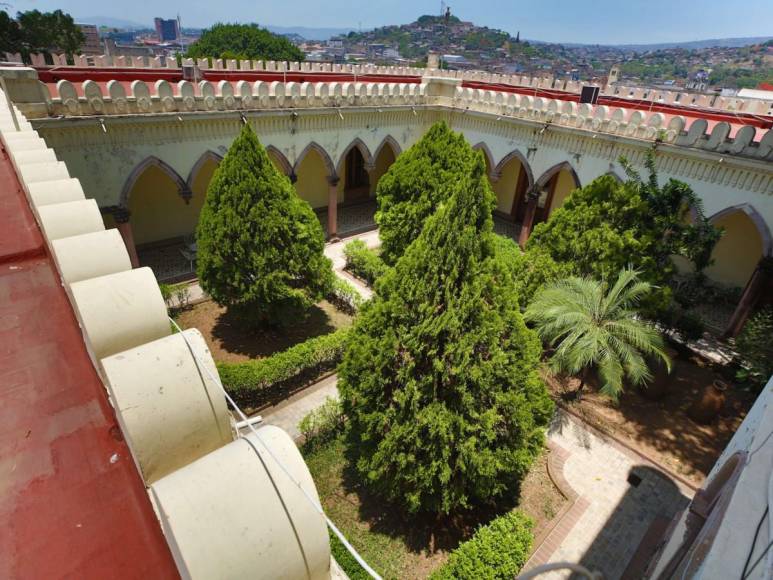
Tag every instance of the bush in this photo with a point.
(496, 551)
(260, 246)
(607, 226)
(531, 270)
(347, 562)
(345, 296)
(756, 348)
(166, 292)
(445, 407)
(264, 380)
(419, 180)
(363, 262)
(323, 423)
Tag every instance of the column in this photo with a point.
(532, 196)
(332, 209)
(121, 217)
(754, 290)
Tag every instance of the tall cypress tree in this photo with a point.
(416, 183)
(260, 247)
(439, 381)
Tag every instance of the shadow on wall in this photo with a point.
(631, 534)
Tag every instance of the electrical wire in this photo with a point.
(215, 379)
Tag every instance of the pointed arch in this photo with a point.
(557, 168)
(364, 151)
(756, 218)
(152, 161)
(314, 146)
(481, 146)
(208, 155)
(392, 142)
(515, 154)
(281, 159)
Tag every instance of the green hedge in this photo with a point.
(497, 550)
(363, 262)
(344, 296)
(261, 382)
(347, 562)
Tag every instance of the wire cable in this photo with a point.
(360, 560)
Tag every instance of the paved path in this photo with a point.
(336, 254)
(289, 413)
(620, 496)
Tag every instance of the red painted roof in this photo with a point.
(72, 503)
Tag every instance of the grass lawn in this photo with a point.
(230, 341)
(398, 548)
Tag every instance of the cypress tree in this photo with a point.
(439, 381)
(260, 247)
(415, 184)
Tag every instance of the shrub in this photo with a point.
(531, 270)
(166, 292)
(756, 348)
(607, 226)
(497, 551)
(260, 247)
(345, 296)
(261, 381)
(439, 383)
(363, 262)
(323, 423)
(347, 562)
(416, 183)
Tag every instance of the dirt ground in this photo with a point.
(230, 341)
(662, 429)
(540, 498)
(411, 549)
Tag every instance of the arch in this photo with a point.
(364, 151)
(314, 146)
(557, 168)
(756, 218)
(745, 241)
(152, 161)
(615, 175)
(208, 155)
(281, 160)
(481, 146)
(547, 185)
(515, 154)
(391, 142)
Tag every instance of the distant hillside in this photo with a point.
(110, 22)
(308, 33)
(699, 44)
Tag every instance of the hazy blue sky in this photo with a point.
(589, 21)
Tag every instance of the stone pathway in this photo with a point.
(289, 413)
(336, 254)
(619, 496)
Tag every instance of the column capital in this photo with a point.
(333, 180)
(293, 177)
(121, 214)
(186, 193)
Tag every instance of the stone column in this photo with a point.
(532, 196)
(121, 217)
(332, 209)
(755, 288)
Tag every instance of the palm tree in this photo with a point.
(591, 324)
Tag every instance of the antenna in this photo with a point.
(442, 7)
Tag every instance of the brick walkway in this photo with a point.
(618, 496)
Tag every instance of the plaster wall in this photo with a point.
(737, 252)
(504, 188)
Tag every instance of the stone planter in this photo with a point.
(707, 407)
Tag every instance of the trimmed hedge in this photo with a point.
(260, 382)
(344, 296)
(496, 551)
(347, 562)
(363, 262)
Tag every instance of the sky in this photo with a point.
(589, 21)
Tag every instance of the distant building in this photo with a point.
(167, 29)
(92, 44)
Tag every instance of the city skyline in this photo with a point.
(605, 22)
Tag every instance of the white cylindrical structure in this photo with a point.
(91, 255)
(235, 514)
(171, 412)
